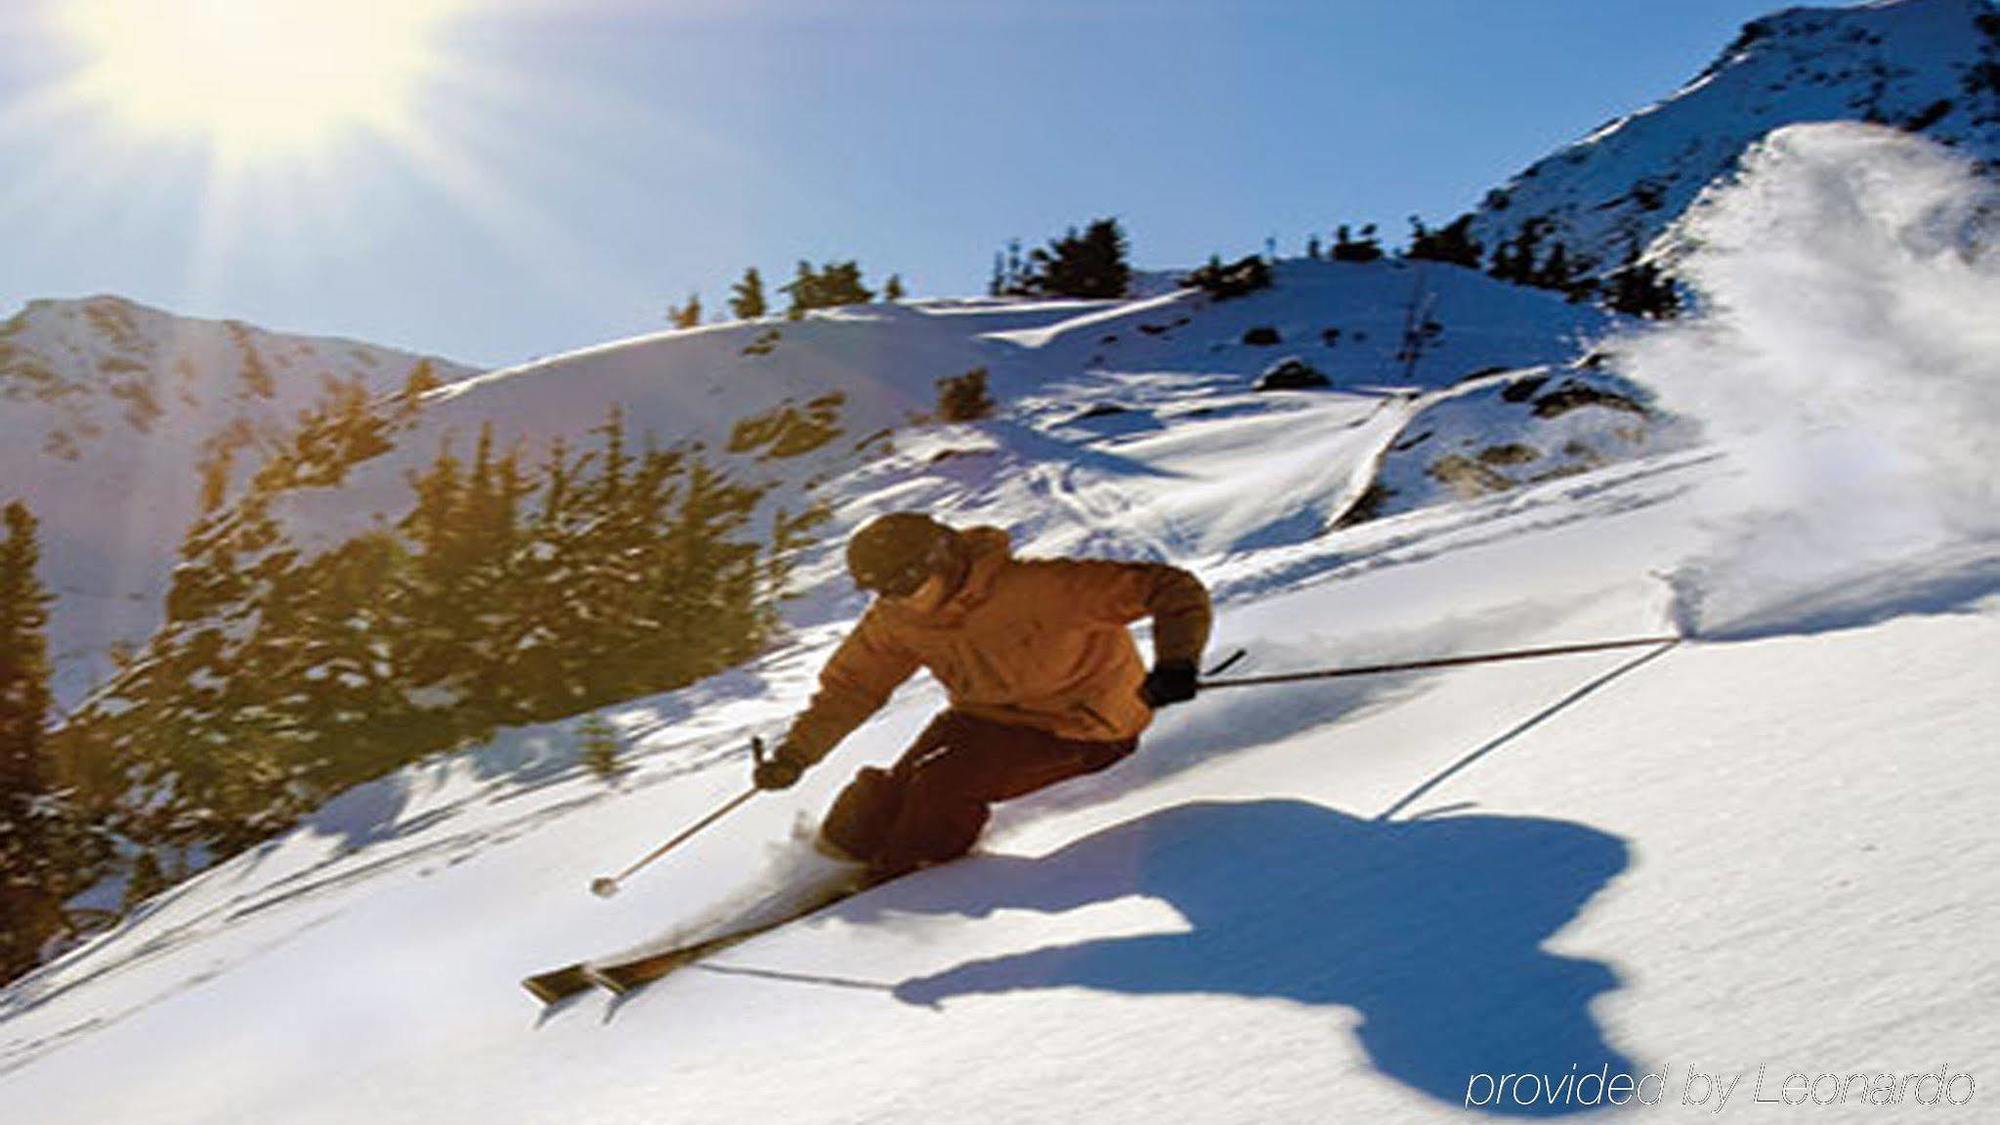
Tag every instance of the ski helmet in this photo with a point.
(894, 554)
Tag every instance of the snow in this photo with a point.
(1668, 871)
(1762, 848)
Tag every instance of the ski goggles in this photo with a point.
(901, 582)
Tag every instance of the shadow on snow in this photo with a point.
(1431, 929)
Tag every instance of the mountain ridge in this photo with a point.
(1927, 66)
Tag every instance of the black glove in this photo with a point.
(1171, 681)
(781, 770)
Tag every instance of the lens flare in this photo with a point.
(257, 76)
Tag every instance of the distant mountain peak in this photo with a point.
(110, 408)
(89, 359)
(1931, 67)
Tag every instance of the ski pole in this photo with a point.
(1440, 662)
(1227, 664)
(604, 886)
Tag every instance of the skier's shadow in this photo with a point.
(1432, 929)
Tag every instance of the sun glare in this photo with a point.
(257, 76)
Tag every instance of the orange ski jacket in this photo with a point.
(1035, 642)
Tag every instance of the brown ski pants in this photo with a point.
(931, 805)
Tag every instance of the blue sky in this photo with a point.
(577, 165)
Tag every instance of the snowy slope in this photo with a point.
(1931, 66)
(1117, 417)
(111, 408)
(107, 410)
(1758, 852)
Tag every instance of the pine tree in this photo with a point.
(495, 529)
(803, 290)
(432, 607)
(422, 379)
(30, 874)
(1514, 260)
(1011, 272)
(546, 571)
(1091, 264)
(746, 300)
(337, 698)
(831, 286)
(1641, 288)
(892, 289)
(841, 282)
(1451, 243)
(204, 733)
(1347, 248)
(688, 315)
(1222, 282)
(24, 669)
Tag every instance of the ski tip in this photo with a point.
(557, 984)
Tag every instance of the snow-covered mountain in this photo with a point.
(114, 410)
(1705, 866)
(108, 412)
(1068, 375)
(1928, 66)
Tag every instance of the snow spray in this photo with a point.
(1845, 348)
(794, 878)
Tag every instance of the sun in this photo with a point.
(258, 77)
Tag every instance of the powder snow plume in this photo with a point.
(1846, 349)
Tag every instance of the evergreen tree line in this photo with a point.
(511, 593)
(1094, 264)
(828, 286)
(1528, 258)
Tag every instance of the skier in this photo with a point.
(1044, 681)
